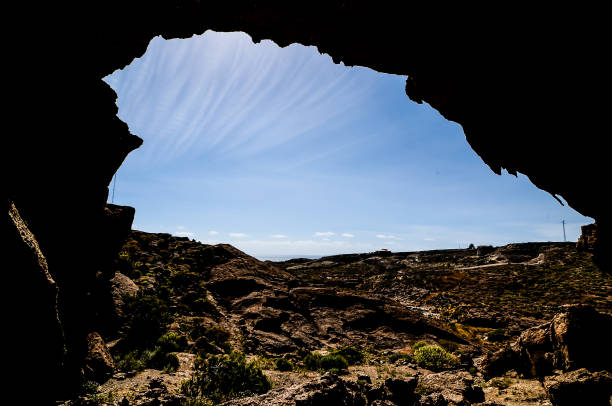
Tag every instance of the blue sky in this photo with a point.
(281, 152)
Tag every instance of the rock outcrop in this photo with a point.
(523, 104)
(573, 339)
(122, 288)
(443, 389)
(326, 390)
(456, 386)
(99, 365)
(580, 387)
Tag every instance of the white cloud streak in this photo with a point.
(387, 237)
(221, 93)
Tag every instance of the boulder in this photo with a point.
(580, 387)
(328, 389)
(433, 399)
(99, 365)
(579, 339)
(573, 339)
(454, 386)
(122, 287)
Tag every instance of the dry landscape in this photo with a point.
(192, 324)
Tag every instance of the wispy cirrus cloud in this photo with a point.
(238, 235)
(387, 237)
(278, 236)
(220, 92)
(324, 234)
(348, 235)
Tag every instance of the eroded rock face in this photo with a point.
(454, 386)
(521, 103)
(122, 288)
(326, 390)
(574, 338)
(580, 387)
(99, 364)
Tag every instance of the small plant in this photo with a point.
(160, 356)
(312, 361)
(172, 363)
(129, 362)
(283, 365)
(334, 363)
(223, 377)
(352, 355)
(418, 345)
(434, 357)
(148, 317)
(172, 342)
(89, 388)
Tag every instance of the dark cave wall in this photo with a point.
(525, 85)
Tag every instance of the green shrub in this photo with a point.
(312, 361)
(214, 334)
(352, 355)
(334, 363)
(434, 357)
(148, 317)
(418, 345)
(204, 306)
(283, 364)
(89, 388)
(223, 377)
(129, 362)
(172, 363)
(159, 359)
(172, 342)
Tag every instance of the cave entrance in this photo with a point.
(281, 152)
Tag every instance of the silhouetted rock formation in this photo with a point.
(525, 88)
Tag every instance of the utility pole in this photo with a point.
(563, 222)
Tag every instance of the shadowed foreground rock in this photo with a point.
(326, 390)
(443, 389)
(574, 338)
(99, 364)
(580, 387)
(523, 104)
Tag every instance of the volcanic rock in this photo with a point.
(455, 386)
(580, 387)
(99, 364)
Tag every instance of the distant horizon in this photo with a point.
(279, 150)
(286, 257)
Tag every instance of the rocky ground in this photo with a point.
(185, 323)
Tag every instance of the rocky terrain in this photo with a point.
(527, 85)
(183, 323)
